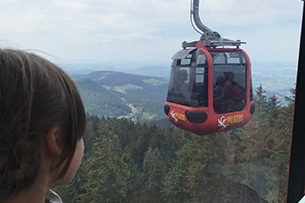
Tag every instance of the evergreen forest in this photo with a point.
(128, 161)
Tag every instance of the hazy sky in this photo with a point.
(147, 30)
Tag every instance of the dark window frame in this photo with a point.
(296, 179)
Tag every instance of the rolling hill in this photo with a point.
(116, 94)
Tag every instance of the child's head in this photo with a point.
(35, 96)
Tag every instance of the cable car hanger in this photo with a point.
(210, 88)
(209, 37)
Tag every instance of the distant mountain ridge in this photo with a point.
(275, 78)
(140, 93)
(117, 94)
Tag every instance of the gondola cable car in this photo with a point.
(210, 86)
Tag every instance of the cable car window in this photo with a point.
(199, 75)
(230, 57)
(232, 60)
(186, 61)
(201, 58)
(200, 88)
(229, 81)
(219, 58)
(188, 81)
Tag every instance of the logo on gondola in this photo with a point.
(177, 116)
(223, 122)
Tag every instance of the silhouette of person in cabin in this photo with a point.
(233, 92)
(180, 87)
(219, 88)
(218, 94)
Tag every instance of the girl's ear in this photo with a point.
(52, 141)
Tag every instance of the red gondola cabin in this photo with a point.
(209, 89)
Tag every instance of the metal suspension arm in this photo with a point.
(207, 32)
(209, 37)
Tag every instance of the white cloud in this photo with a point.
(104, 30)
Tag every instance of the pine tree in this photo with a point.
(107, 171)
(152, 169)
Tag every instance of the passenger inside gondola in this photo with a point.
(228, 94)
(218, 94)
(180, 86)
(233, 93)
(219, 88)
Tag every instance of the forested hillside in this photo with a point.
(115, 94)
(126, 161)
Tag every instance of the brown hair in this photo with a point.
(35, 95)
